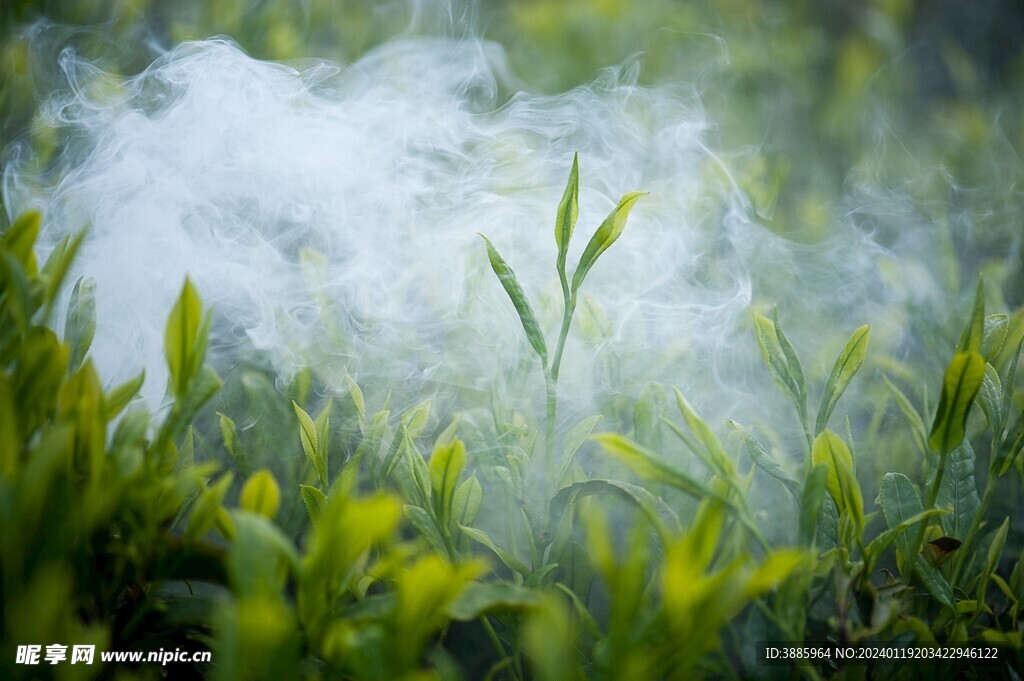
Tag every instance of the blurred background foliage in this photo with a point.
(818, 100)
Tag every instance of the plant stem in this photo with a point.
(962, 552)
(933, 495)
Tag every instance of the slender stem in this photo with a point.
(962, 553)
(933, 495)
(570, 309)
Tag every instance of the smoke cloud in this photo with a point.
(330, 213)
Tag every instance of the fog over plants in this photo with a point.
(771, 398)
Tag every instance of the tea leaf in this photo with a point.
(774, 359)
(607, 234)
(811, 503)
(119, 398)
(422, 522)
(466, 502)
(260, 494)
(357, 396)
(796, 370)
(446, 465)
(721, 463)
(829, 450)
(310, 444)
(913, 417)
(934, 582)
(990, 399)
(314, 499)
(900, 503)
(568, 211)
(415, 420)
(21, 237)
(846, 367)
(80, 326)
(959, 491)
(510, 561)
(649, 467)
(515, 292)
(574, 439)
(763, 460)
(478, 599)
(996, 328)
(180, 339)
(959, 386)
(995, 548)
(874, 549)
(660, 514)
(974, 333)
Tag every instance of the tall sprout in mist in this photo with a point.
(606, 235)
(328, 213)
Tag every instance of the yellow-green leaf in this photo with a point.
(515, 292)
(959, 386)
(830, 451)
(846, 367)
(446, 465)
(261, 495)
(179, 339)
(607, 234)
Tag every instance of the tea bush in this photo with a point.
(386, 546)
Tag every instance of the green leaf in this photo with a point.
(445, 466)
(58, 263)
(974, 333)
(607, 234)
(660, 514)
(422, 522)
(846, 367)
(995, 549)
(959, 386)
(874, 549)
(510, 561)
(796, 370)
(229, 434)
(478, 599)
(763, 460)
(310, 444)
(357, 396)
(260, 494)
(775, 360)
(568, 211)
(515, 292)
(959, 491)
(990, 399)
(117, 399)
(314, 499)
(421, 477)
(201, 389)
(830, 451)
(573, 440)
(913, 417)
(21, 237)
(720, 461)
(648, 466)
(80, 325)
(415, 420)
(934, 582)
(996, 328)
(180, 339)
(811, 503)
(467, 500)
(900, 502)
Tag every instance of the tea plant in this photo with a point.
(389, 547)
